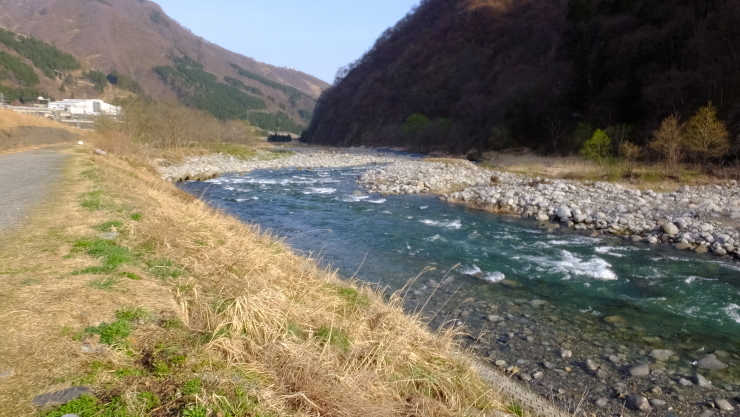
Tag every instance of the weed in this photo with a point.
(108, 226)
(112, 333)
(353, 297)
(334, 336)
(127, 372)
(91, 200)
(137, 217)
(516, 410)
(195, 411)
(164, 268)
(91, 174)
(173, 324)
(149, 400)
(296, 330)
(192, 387)
(237, 151)
(83, 406)
(131, 315)
(131, 275)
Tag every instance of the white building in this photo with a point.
(91, 107)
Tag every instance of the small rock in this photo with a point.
(657, 403)
(661, 355)
(701, 381)
(566, 354)
(500, 363)
(357, 193)
(538, 375)
(723, 404)
(708, 413)
(640, 370)
(615, 320)
(590, 365)
(682, 246)
(537, 303)
(669, 228)
(60, 397)
(638, 402)
(602, 402)
(710, 362)
(100, 152)
(685, 382)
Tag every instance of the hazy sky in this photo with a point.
(314, 36)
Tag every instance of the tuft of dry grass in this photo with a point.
(235, 324)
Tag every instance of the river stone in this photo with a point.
(509, 283)
(60, 397)
(682, 246)
(708, 413)
(566, 354)
(685, 382)
(590, 365)
(710, 362)
(669, 228)
(564, 212)
(357, 193)
(723, 404)
(538, 303)
(701, 381)
(661, 355)
(642, 369)
(657, 403)
(615, 320)
(638, 402)
(602, 402)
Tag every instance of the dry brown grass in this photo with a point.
(10, 120)
(257, 316)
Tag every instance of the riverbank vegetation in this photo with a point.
(165, 306)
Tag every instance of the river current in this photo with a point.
(684, 300)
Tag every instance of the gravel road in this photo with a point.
(25, 180)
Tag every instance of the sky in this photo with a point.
(314, 36)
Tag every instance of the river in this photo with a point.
(495, 265)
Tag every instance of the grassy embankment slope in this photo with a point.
(21, 131)
(187, 311)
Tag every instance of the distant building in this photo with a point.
(90, 107)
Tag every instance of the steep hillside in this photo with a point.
(499, 73)
(133, 38)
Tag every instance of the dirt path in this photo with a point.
(25, 180)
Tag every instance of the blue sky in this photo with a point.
(316, 37)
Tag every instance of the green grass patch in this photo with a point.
(116, 333)
(137, 217)
(334, 336)
(195, 411)
(108, 226)
(237, 151)
(112, 255)
(92, 200)
(163, 268)
(352, 296)
(192, 387)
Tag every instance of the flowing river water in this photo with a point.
(606, 299)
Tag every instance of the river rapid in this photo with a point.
(537, 300)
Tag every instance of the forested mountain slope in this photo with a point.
(137, 40)
(492, 74)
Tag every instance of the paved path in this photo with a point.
(25, 180)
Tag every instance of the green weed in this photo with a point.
(334, 336)
(237, 151)
(192, 387)
(131, 275)
(112, 255)
(195, 411)
(137, 217)
(353, 297)
(117, 332)
(516, 410)
(105, 284)
(164, 268)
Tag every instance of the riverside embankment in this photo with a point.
(563, 312)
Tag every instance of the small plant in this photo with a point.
(148, 400)
(516, 410)
(195, 411)
(113, 256)
(192, 387)
(137, 217)
(334, 336)
(131, 275)
(296, 330)
(353, 297)
(112, 333)
(105, 284)
(83, 406)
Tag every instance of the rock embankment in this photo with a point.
(202, 168)
(702, 218)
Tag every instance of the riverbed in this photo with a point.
(537, 300)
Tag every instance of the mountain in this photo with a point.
(491, 74)
(136, 40)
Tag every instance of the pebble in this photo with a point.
(701, 381)
(685, 382)
(602, 402)
(640, 370)
(661, 355)
(638, 402)
(566, 354)
(723, 404)
(708, 413)
(590, 365)
(657, 402)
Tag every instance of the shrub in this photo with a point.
(598, 147)
(415, 124)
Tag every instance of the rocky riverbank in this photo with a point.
(702, 219)
(202, 168)
(603, 366)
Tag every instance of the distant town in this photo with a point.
(79, 113)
